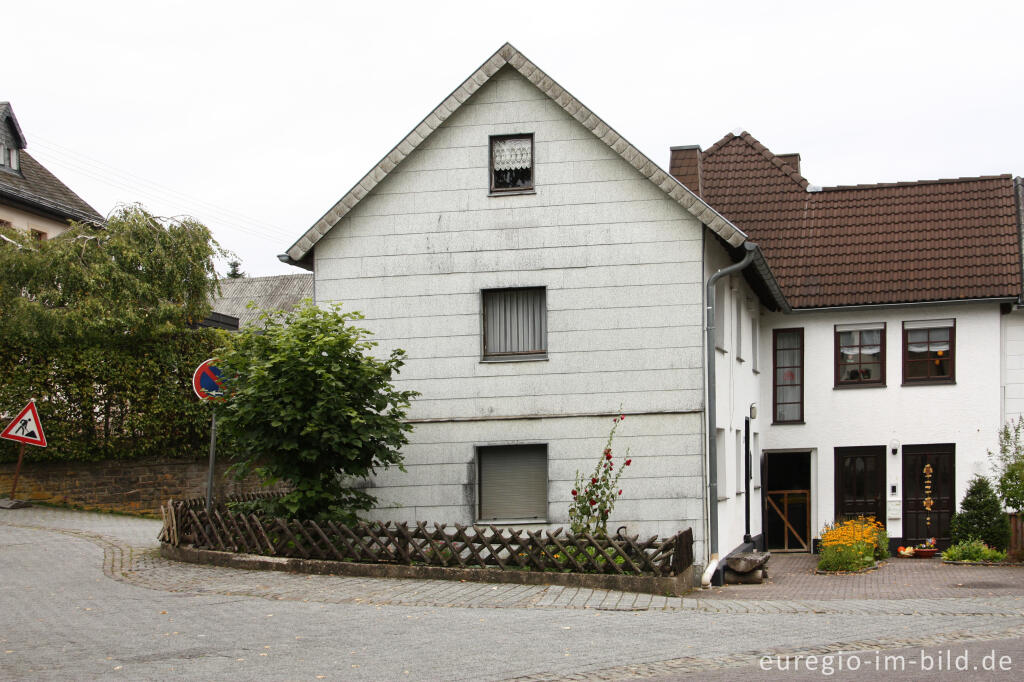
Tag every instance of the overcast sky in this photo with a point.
(255, 117)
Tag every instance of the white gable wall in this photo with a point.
(622, 265)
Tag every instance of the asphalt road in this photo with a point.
(62, 616)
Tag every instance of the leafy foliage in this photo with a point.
(973, 550)
(234, 270)
(981, 517)
(93, 325)
(309, 405)
(1009, 464)
(593, 497)
(853, 544)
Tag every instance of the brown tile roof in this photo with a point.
(902, 242)
(39, 189)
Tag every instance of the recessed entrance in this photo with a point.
(787, 501)
(929, 498)
(860, 482)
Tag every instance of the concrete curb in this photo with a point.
(674, 586)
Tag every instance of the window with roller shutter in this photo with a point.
(512, 483)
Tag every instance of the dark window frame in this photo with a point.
(511, 356)
(848, 383)
(775, 376)
(499, 191)
(478, 506)
(929, 379)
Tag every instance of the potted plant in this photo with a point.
(924, 550)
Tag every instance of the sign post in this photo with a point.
(207, 385)
(26, 429)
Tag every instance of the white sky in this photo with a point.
(255, 117)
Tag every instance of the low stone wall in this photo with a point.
(134, 486)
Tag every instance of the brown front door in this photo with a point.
(929, 495)
(860, 482)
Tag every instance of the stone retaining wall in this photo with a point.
(134, 486)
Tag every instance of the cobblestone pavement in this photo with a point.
(544, 633)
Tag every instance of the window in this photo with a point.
(515, 324)
(721, 301)
(860, 354)
(740, 456)
(512, 482)
(38, 235)
(511, 163)
(788, 380)
(929, 348)
(3, 154)
(755, 340)
(14, 159)
(738, 305)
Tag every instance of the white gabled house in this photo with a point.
(544, 275)
(541, 274)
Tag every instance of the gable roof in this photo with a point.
(37, 189)
(7, 116)
(508, 55)
(905, 242)
(278, 292)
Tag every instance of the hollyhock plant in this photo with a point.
(593, 502)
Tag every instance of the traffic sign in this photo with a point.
(26, 427)
(206, 381)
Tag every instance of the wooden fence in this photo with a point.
(477, 546)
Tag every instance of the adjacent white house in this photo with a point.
(545, 276)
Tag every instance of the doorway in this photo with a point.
(860, 482)
(929, 495)
(787, 501)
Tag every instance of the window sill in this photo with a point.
(724, 499)
(844, 387)
(511, 192)
(934, 382)
(515, 358)
(800, 423)
(721, 350)
(512, 522)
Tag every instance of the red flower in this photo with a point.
(620, 492)
(628, 461)
(607, 455)
(607, 451)
(592, 502)
(574, 493)
(593, 480)
(622, 417)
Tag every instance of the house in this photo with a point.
(900, 357)
(32, 198)
(543, 276)
(231, 310)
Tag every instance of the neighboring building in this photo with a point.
(889, 363)
(32, 198)
(542, 274)
(278, 292)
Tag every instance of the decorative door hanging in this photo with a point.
(928, 501)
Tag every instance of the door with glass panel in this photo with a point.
(860, 482)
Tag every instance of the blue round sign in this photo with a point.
(206, 381)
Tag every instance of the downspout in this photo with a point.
(711, 309)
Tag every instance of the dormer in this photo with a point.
(12, 140)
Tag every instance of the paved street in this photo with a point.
(84, 596)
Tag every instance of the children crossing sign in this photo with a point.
(26, 427)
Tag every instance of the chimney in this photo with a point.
(792, 160)
(686, 166)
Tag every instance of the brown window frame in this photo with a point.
(943, 379)
(38, 235)
(490, 165)
(848, 383)
(775, 376)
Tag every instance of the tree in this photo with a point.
(95, 325)
(234, 271)
(310, 406)
(1009, 464)
(981, 517)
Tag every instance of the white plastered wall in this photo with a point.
(23, 220)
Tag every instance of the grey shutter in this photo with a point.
(515, 321)
(513, 482)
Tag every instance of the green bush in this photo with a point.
(1009, 464)
(310, 405)
(973, 550)
(846, 557)
(981, 517)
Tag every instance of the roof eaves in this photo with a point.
(57, 207)
(507, 54)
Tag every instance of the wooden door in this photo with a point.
(860, 482)
(929, 494)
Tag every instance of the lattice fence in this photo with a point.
(477, 546)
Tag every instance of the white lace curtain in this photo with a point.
(512, 154)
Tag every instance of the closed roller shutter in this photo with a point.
(513, 482)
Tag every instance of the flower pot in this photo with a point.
(925, 553)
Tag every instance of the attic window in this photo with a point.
(14, 159)
(511, 163)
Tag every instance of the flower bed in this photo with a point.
(852, 546)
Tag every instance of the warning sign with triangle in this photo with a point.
(26, 427)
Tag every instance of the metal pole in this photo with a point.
(213, 459)
(17, 471)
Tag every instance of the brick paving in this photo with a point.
(903, 604)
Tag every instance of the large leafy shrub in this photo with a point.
(981, 517)
(311, 407)
(1009, 464)
(95, 325)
